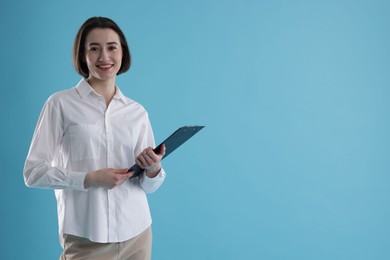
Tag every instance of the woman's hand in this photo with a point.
(150, 161)
(106, 178)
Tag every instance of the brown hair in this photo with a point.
(79, 44)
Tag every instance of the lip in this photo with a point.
(104, 67)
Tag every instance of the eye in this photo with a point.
(93, 49)
(112, 48)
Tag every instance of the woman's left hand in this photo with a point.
(150, 161)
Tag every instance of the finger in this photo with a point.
(122, 171)
(127, 171)
(122, 178)
(151, 158)
(125, 176)
(140, 164)
(141, 161)
(137, 161)
(162, 150)
(149, 152)
(156, 156)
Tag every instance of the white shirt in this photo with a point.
(76, 133)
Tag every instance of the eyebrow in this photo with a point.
(108, 43)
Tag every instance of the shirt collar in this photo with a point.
(84, 89)
(119, 95)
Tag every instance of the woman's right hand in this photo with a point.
(106, 178)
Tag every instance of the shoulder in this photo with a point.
(62, 98)
(133, 111)
(71, 94)
(130, 103)
(62, 94)
(136, 106)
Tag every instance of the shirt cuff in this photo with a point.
(160, 175)
(152, 184)
(76, 180)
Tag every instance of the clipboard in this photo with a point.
(176, 139)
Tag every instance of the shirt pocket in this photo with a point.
(85, 142)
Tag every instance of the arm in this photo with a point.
(41, 169)
(150, 161)
(154, 174)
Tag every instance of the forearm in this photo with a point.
(44, 176)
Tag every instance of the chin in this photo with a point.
(106, 77)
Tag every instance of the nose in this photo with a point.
(103, 55)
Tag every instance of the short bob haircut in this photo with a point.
(79, 44)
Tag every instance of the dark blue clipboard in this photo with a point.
(179, 137)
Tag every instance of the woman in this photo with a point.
(85, 138)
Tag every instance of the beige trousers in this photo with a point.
(137, 248)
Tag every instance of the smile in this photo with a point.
(105, 66)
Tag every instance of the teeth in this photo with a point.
(105, 66)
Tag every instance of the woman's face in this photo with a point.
(103, 54)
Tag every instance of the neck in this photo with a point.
(105, 88)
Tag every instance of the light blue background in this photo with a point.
(294, 160)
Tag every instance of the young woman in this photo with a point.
(85, 140)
